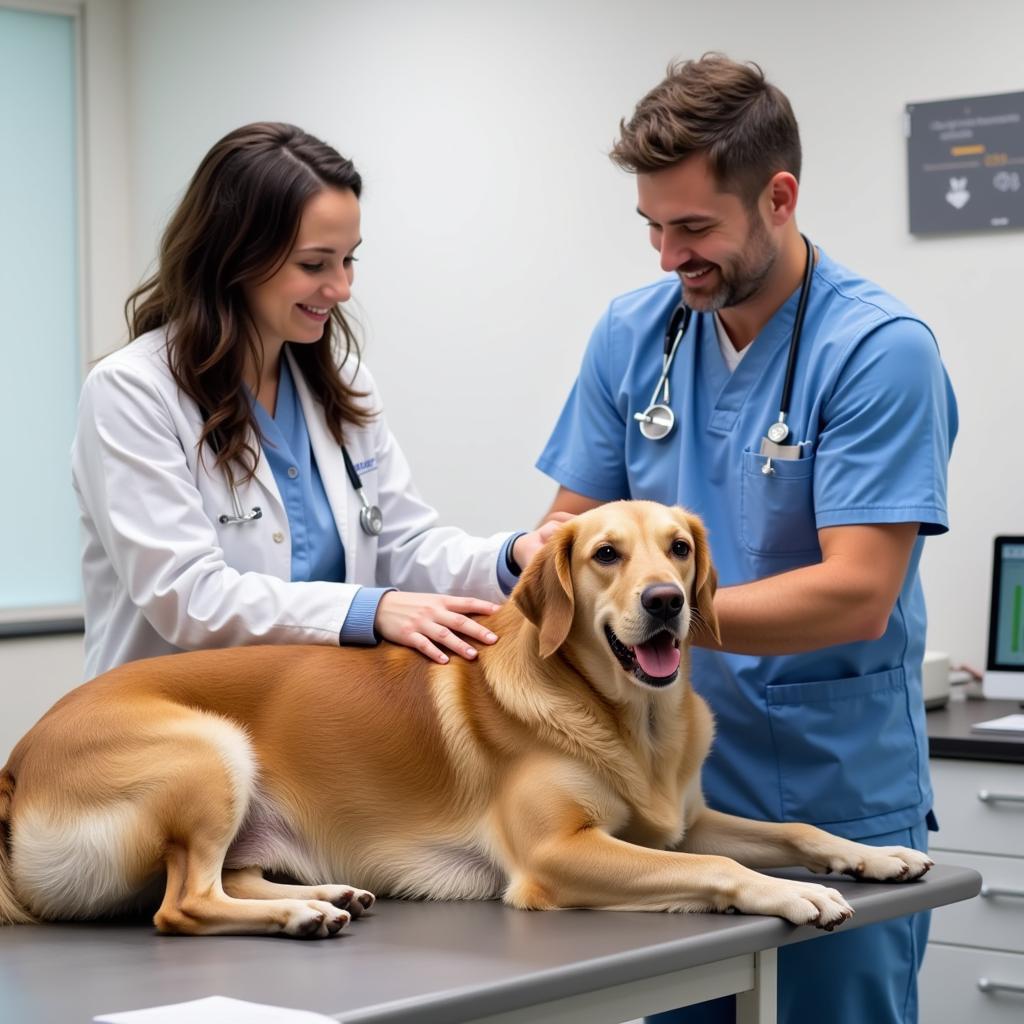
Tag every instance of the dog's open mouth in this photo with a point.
(654, 662)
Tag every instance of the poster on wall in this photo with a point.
(965, 164)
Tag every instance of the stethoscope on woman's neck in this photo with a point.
(658, 419)
(371, 519)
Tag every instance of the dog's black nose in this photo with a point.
(662, 600)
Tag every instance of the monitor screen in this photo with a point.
(1006, 625)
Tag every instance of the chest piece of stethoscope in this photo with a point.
(371, 519)
(237, 517)
(658, 419)
(778, 432)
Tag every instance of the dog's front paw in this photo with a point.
(798, 902)
(355, 901)
(314, 919)
(884, 863)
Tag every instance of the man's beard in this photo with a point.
(744, 277)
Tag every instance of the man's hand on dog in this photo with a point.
(526, 546)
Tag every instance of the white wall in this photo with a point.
(496, 229)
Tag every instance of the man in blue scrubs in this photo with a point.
(816, 688)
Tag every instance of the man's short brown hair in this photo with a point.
(725, 110)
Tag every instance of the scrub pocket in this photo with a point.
(777, 510)
(846, 748)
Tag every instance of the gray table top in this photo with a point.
(433, 963)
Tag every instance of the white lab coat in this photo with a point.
(162, 574)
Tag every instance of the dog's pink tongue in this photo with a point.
(658, 657)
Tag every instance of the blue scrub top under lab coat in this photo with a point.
(835, 737)
(317, 549)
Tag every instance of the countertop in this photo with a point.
(949, 731)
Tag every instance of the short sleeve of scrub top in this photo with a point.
(883, 452)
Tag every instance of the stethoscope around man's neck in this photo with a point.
(658, 419)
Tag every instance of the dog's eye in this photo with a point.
(606, 555)
(680, 548)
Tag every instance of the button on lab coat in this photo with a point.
(162, 574)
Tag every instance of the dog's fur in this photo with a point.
(552, 771)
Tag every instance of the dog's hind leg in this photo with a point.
(195, 903)
(148, 789)
(202, 812)
(249, 883)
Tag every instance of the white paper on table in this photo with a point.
(1008, 724)
(215, 1010)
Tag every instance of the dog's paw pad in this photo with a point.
(309, 926)
(337, 922)
(332, 920)
(315, 919)
(343, 898)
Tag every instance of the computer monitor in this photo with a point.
(1004, 671)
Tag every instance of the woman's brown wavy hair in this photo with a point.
(236, 225)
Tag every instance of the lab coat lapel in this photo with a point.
(265, 477)
(248, 493)
(328, 459)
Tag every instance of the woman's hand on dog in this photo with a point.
(430, 622)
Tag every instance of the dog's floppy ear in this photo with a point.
(705, 582)
(544, 594)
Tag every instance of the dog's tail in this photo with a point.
(11, 911)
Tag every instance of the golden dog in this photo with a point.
(559, 769)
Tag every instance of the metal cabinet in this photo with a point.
(974, 967)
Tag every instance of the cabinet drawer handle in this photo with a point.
(988, 985)
(998, 890)
(987, 797)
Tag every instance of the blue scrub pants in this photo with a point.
(864, 976)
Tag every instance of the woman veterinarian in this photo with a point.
(236, 479)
